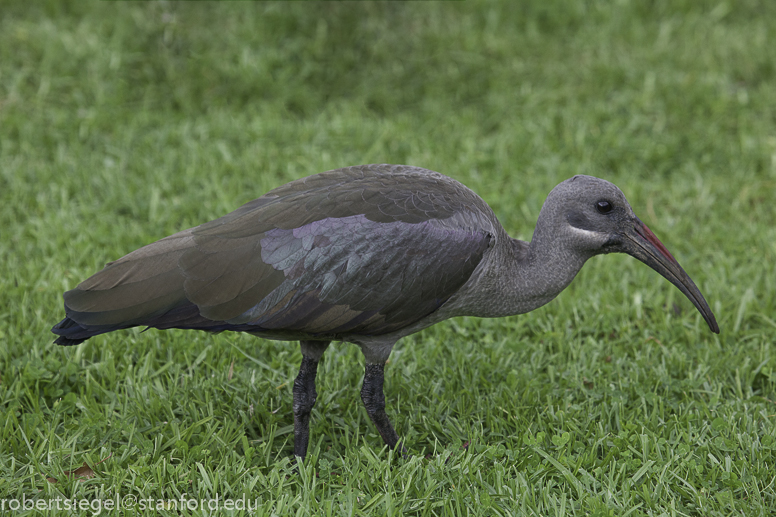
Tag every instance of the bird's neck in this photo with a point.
(545, 270)
(520, 277)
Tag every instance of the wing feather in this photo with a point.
(365, 249)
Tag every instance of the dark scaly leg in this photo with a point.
(305, 394)
(374, 401)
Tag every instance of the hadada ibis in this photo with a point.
(365, 255)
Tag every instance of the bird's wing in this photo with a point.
(142, 285)
(333, 275)
(354, 250)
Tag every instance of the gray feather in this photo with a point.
(342, 251)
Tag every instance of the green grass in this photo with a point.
(121, 123)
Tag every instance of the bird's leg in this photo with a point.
(305, 394)
(374, 401)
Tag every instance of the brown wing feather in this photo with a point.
(223, 267)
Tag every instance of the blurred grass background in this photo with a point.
(123, 122)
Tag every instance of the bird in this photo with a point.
(366, 255)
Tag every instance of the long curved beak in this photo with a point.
(642, 244)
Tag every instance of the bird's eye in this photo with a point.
(603, 207)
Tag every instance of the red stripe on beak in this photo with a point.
(650, 237)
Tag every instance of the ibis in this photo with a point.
(365, 255)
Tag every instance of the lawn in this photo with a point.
(124, 122)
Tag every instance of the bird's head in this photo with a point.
(592, 216)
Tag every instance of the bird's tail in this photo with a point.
(72, 333)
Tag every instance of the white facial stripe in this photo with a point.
(586, 233)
